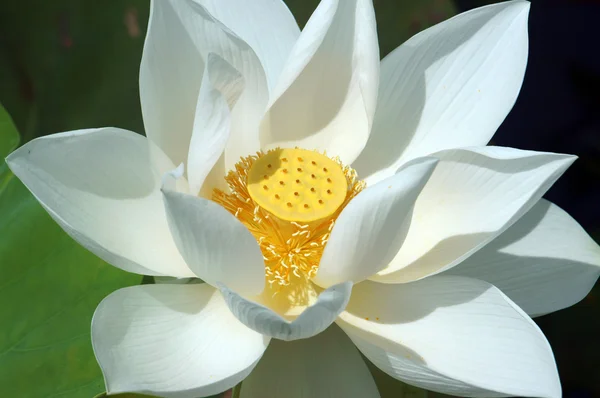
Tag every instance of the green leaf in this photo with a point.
(9, 136)
(49, 288)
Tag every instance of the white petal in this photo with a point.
(169, 92)
(473, 196)
(326, 95)
(170, 76)
(544, 262)
(211, 36)
(455, 335)
(371, 229)
(449, 86)
(267, 26)
(311, 321)
(102, 187)
(222, 86)
(172, 341)
(215, 245)
(324, 366)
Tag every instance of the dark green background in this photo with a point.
(70, 64)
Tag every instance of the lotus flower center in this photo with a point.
(297, 185)
(289, 200)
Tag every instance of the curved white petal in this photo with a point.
(324, 366)
(172, 341)
(473, 196)
(449, 86)
(544, 262)
(221, 88)
(325, 97)
(170, 76)
(371, 229)
(181, 35)
(311, 321)
(450, 334)
(102, 187)
(215, 245)
(211, 36)
(267, 26)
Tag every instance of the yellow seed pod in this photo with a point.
(297, 184)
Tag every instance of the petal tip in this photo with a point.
(169, 178)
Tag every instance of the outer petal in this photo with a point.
(216, 246)
(371, 229)
(454, 335)
(172, 341)
(101, 186)
(311, 322)
(325, 366)
(325, 98)
(222, 86)
(544, 262)
(181, 34)
(472, 197)
(450, 86)
(267, 26)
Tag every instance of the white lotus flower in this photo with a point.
(447, 252)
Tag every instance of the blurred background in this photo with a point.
(70, 64)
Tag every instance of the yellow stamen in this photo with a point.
(291, 236)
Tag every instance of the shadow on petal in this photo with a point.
(371, 301)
